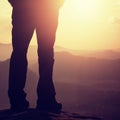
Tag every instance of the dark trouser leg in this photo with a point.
(46, 30)
(21, 34)
(45, 89)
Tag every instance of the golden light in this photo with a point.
(83, 24)
(87, 8)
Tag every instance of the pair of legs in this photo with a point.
(25, 19)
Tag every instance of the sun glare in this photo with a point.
(83, 24)
(86, 8)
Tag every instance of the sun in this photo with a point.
(89, 11)
(86, 8)
(83, 24)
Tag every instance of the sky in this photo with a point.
(83, 24)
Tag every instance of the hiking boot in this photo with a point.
(20, 107)
(50, 107)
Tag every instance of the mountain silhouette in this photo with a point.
(100, 99)
(86, 85)
(4, 72)
(32, 51)
(83, 68)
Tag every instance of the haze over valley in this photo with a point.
(87, 83)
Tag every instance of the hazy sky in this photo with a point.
(83, 24)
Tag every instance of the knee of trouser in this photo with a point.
(19, 54)
(46, 55)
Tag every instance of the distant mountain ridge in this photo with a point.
(6, 49)
(4, 73)
(82, 68)
(77, 69)
(88, 85)
(93, 66)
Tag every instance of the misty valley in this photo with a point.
(88, 85)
